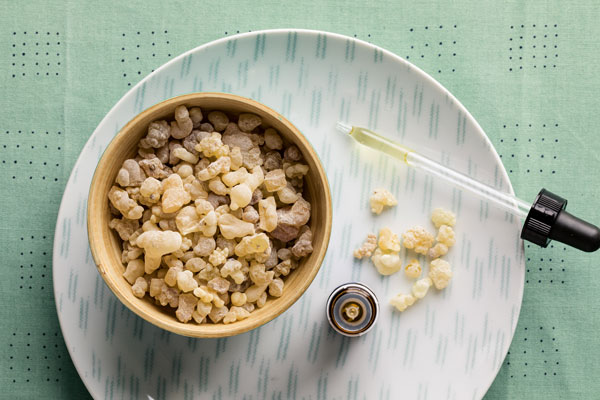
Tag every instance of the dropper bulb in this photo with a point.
(575, 232)
(548, 219)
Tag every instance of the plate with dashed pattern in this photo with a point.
(449, 345)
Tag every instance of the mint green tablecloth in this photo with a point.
(526, 71)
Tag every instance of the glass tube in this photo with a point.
(371, 139)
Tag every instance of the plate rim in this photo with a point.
(421, 73)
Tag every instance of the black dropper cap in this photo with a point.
(548, 219)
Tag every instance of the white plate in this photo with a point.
(448, 345)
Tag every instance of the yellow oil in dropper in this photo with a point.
(376, 141)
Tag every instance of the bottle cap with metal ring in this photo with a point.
(352, 309)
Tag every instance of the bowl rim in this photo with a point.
(193, 329)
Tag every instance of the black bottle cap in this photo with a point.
(548, 219)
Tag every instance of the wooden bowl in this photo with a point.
(106, 245)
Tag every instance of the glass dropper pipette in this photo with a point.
(545, 219)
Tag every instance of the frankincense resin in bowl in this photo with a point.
(209, 214)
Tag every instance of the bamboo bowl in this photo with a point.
(106, 245)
